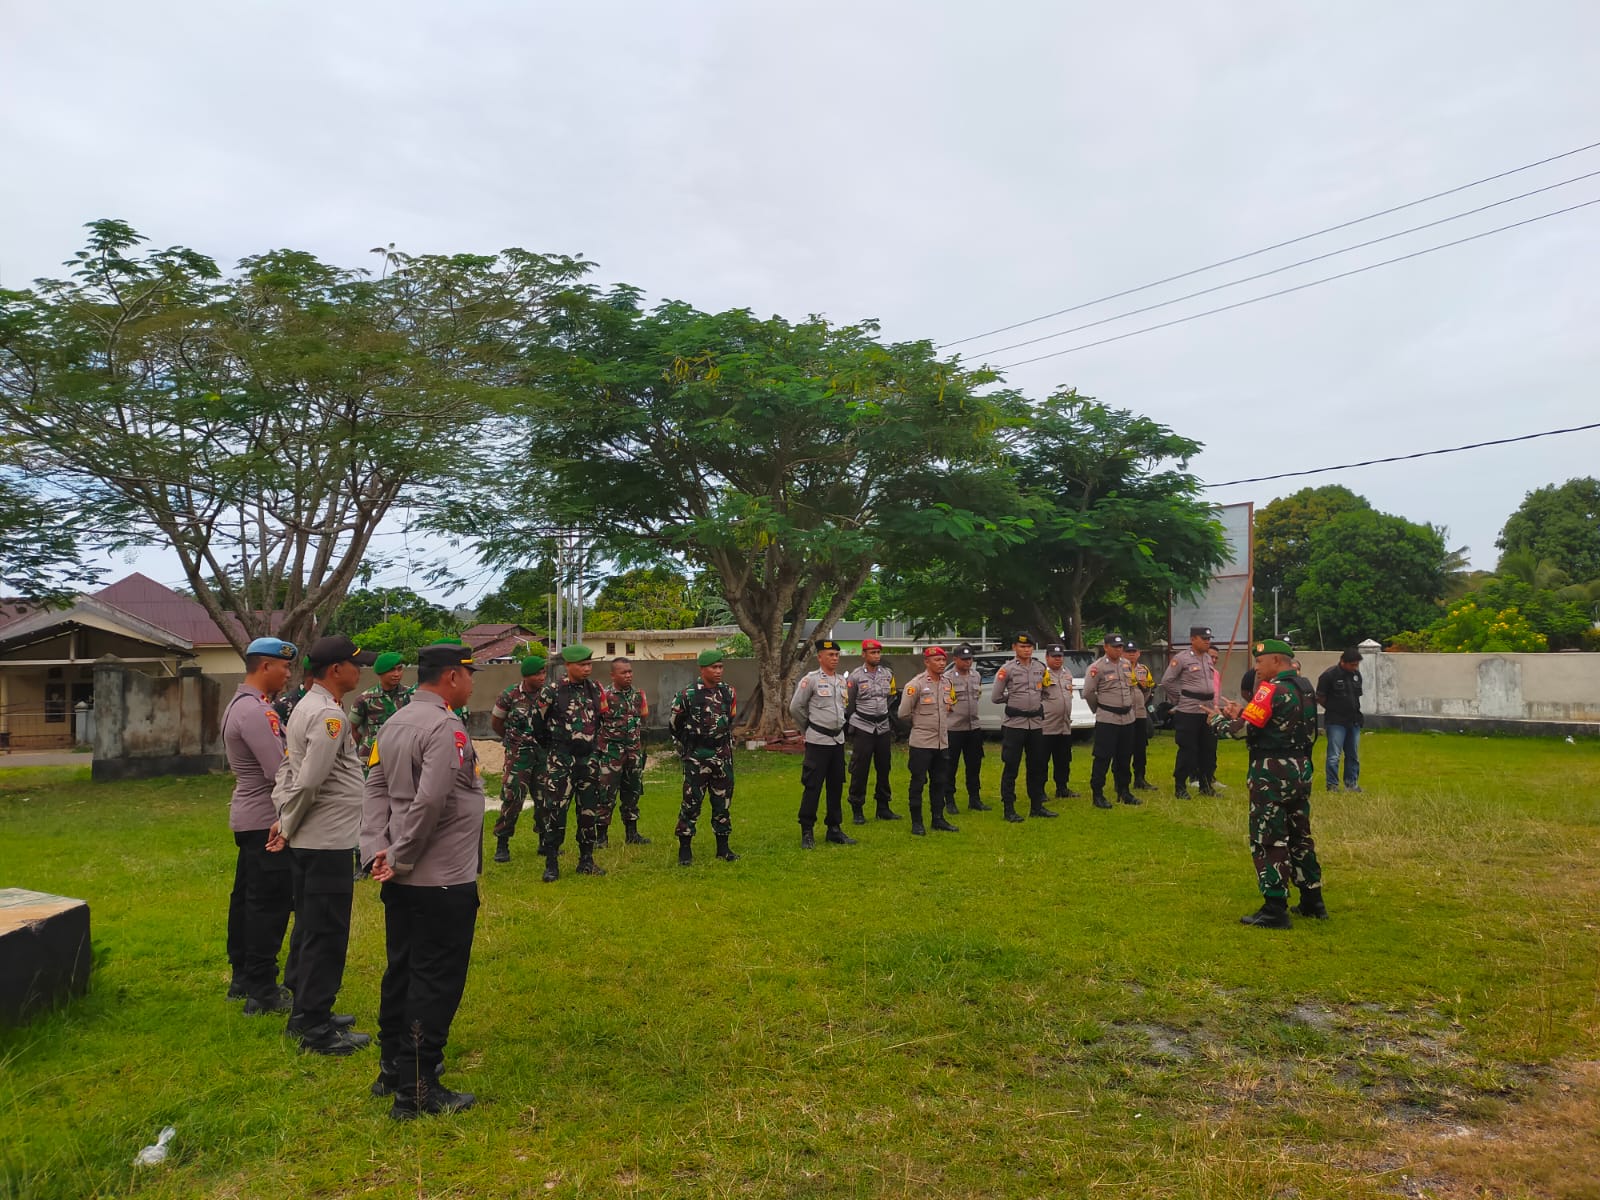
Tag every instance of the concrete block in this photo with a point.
(44, 951)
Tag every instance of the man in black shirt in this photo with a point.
(1339, 693)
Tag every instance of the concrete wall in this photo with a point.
(148, 725)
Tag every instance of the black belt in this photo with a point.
(1123, 711)
(877, 722)
(1199, 695)
(1017, 712)
(824, 732)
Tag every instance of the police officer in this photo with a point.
(569, 716)
(966, 734)
(927, 703)
(1108, 689)
(622, 761)
(377, 704)
(701, 725)
(818, 708)
(1190, 685)
(870, 693)
(318, 795)
(1145, 681)
(422, 836)
(516, 723)
(1280, 726)
(1057, 697)
(1019, 685)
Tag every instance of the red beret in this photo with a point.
(871, 644)
(932, 650)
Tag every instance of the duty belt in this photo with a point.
(1198, 695)
(824, 731)
(1018, 712)
(1121, 711)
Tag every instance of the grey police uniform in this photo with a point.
(926, 703)
(966, 735)
(1057, 697)
(818, 708)
(1188, 683)
(1109, 690)
(258, 908)
(1018, 686)
(873, 691)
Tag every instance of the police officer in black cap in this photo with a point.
(966, 733)
(1190, 684)
(1019, 686)
(818, 708)
(1109, 690)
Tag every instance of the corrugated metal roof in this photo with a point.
(143, 597)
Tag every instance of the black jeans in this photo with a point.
(931, 766)
(1141, 746)
(264, 912)
(1113, 747)
(966, 747)
(1015, 745)
(868, 751)
(1197, 749)
(822, 765)
(1058, 752)
(428, 934)
(323, 887)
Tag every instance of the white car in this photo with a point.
(991, 714)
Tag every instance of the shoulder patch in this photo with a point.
(1000, 674)
(461, 747)
(334, 726)
(274, 722)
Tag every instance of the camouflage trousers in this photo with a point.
(514, 788)
(1280, 824)
(704, 777)
(622, 778)
(567, 781)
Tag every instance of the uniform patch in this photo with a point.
(334, 726)
(272, 720)
(1260, 707)
(372, 759)
(461, 748)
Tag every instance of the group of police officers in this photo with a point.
(399, 781)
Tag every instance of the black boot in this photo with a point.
(1311, 904)
(808, 840)
(1100, 800)
(1129, 798)
(587, 865)
(858, 814)
(1207, 788)
(838, 837)
(634, 837)
(236, 989)
(943, 825)
(1273, 914)
(552, 868)
(275, 1000)
(974, 804)
(502, 849)
(884, 813)
(428, 1097)
(388, 1079)
(602, 837)
(1144, 785)
(686, 849)
(333, 1041)
(1066, 793)
(1037, 809)
(1179, 792)
(917, 827)
(1012, 814)
(725, 854)
(950, 807)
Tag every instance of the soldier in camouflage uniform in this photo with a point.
(702, 729)
(622, 766)
(514, 720)
(1280, 725)
(377, 704)
(287, 699)
(569, 715)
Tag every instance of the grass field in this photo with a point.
(1060, 1008)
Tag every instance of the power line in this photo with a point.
(1526, 437)
(1220, 287)
(1304, 237)
(1299, 287)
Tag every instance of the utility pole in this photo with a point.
(1275, 588)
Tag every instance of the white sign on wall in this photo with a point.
(1225, 604)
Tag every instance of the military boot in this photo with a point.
(858, 814)
(943, 825)
(552, 868)
(917, 827)
(1144, 785)
(885, 813)
(950, 806)
(333, 1041)
(686, 849)
(1311, 904)
(1180, 792)
(1208, 787)
(1037, 809)
(976, 804)
(634, 837)
(429, 1097)
(1066, 793)
(1100, 800)
(587, 865)
(1129, 798)
(502, 849)
(1012, 814)
(388, 1079)
(602, 837)
(723, 852)
(276, 1000)
(808, 840)
(1273, 914)
(838, 837)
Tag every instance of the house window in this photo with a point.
(627, 647)
(611, 649)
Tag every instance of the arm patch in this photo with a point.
(1260, 707)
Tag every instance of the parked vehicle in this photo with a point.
(991, 714)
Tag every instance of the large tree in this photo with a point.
(40, 537)
(1282, 560)
(1558, 524)
(778, 455)
(1371, 575)
(643, 598)
(263, 424)
(366, 607)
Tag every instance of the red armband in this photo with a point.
(1260, 707)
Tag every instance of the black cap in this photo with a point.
(1130, 644)
(826, 644)
(1055, 648)
(1201, 631)
(1114, 639)
(1351, 655)
(1022, 639)
(326, 651)
(963, 651)
(446, 654)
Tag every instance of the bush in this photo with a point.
(1469, 629)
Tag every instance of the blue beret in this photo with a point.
(273, 648)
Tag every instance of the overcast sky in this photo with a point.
(946, 167)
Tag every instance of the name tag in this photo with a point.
(824, 690)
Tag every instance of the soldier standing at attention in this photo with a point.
(422, 836)
(377, 704)
(870, 691)
(818, 707)
(258, 909)
(702, 729)
(570, 714)
(966, 734)
(1019, 685)
(927, 703)
(1056, 695)
(318, 796)
(1279, 725)
(1108, 689)
(622, 768)
(514, 721)
(1145, 681)
(1190, 684)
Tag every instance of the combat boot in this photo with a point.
(1144, 785)
(236, 989)
(429, 1097)
(333, 1041)
(723, 851)
(808, 840)
(686, 849)
(634, 837)
(1311, 904)
(1037, 809)
(885, 813)
(602, 837)
(917, 827)
(1207, 787)
(587, 865)
(943, 825)
(950, 807)
(388, 1080)
(1129, 798)
(502, 849)
(277, 1000)
(976, 804)
(1273, 914)
(858, 814)
(1100, 800)
(1012, 814)
(1180, 792)
(1066, 793)
(552, 868)
(838, 837)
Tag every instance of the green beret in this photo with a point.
(576, 654)
(388, 662)
(1274, 646)
(710, 658)
(532, 665)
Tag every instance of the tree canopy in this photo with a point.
(1559, 524)
(1371, 575)
(1283, 531)
(644, 598)
(39, 547)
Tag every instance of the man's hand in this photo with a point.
(381, 870)
(275, 839)
(1231, 709)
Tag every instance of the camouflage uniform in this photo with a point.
(524, 759)
(702, 729)
(1280, 726)
(372, 708)
(622, 762)
(570, 714)
(284, 705)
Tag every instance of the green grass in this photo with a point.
(1057, 1008)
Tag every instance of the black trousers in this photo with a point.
(428, 935)
(929, 766)
(1113, 747)
(1058, 759)
(323, 887)
(1141, 746)
(1015, 745)
(822, 765)
(262, 912)
(867, 751)
(966, 747)
(1197, 749)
